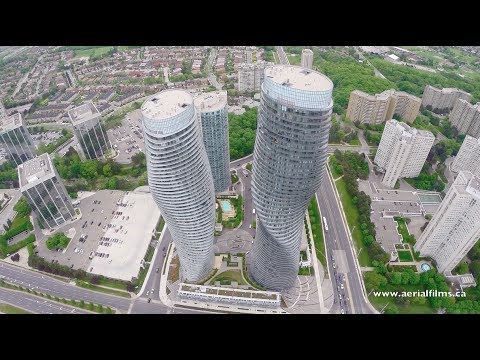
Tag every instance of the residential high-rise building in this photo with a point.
(468, 156)
(455, 227)
(402, 151)
(180, 178)
(14, 137)
(442, 100)
(466, 117)
(212, 111)
(45, 192)
(90, 131)
(378, 108)
(307, 58)
(288, 160)
(250, 77)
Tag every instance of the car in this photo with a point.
(163, 248)
(148, 292)
(149, 299)
(91, 223)
(153, 290)
(334, 266)
(343, 311)
(157, 270)
(341, 286)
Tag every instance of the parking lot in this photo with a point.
(46, 137)
(127, 139)
(111, 237)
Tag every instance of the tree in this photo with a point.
(391, 309)
(395, 278)
(89, 169)
(22, 207)
(107, 170)
(373, 281)
(475, 268)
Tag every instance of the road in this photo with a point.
(36, 304)
(211, 76)
(281, 55)
(49, 285)
(340, 248)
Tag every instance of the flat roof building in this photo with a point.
(250, 77)
(402, 151)
(16, 140)
(466, 117)
(307, 58)
(378, 108)
(442, 100)
(89, 130)
(468, 156)
(455, 227)
(45, 192)
(212, 111)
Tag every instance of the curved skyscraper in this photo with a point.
(213, 115)
(288, 163)
(180, 179)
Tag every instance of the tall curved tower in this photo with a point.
(288, 163)
(180, 179)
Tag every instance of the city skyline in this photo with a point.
(239, 179)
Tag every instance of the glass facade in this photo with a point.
(181, 181)
(18, 144)
(93, 138)
(288, 161)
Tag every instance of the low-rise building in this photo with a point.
(229, 295)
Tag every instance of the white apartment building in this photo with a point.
(378, 108)
(466, 117)
(307, 58)
(442, 100)
(250, 77)
(402, 151)
(455, 227)
(468, 156)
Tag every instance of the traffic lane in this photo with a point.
(338, 232)
(35, 304)
(49, 285)
(332, 234)
(153, 281)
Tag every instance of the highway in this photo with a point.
(36, 304)
(49, 285)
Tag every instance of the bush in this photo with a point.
(57, 241)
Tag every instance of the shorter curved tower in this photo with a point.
(180, 179)
(288, 164)
(213, 114)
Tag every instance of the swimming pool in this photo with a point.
(226, 206)
(425, 267)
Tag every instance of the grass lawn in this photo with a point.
(86, 285)
(355, 142)
(94, 51)
(294, 59)
(9, 309)
(113, 284)
(405, 255)
(229, 276)
(351, 213)
(379, 303)
(317, 230)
